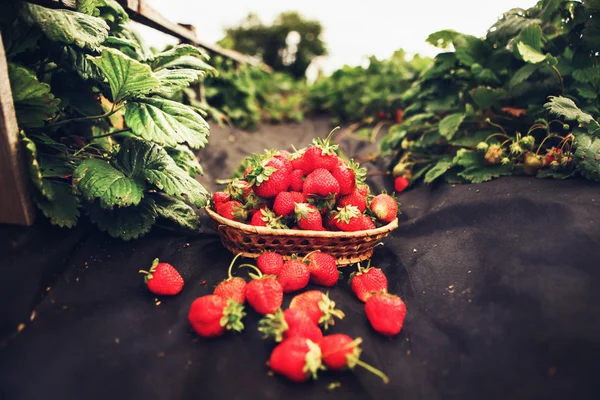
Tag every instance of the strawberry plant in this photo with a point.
(506, 103)
(101, 134)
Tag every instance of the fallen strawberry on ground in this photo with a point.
(386, 313)
(318, 306)
(294, 275)
(212, 315)
(162, 279)
(233, 288)
(323, 268)
(270, 263)
(264, 293)
(366, 281)
(289, 323)
(297, 359)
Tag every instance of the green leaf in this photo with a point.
(52, 167)
(174, 80)
(529, 54)
(566, 108)
(586, 75)
(64, 209)
(127, 77)
(118, 42)
(185, 159)
(176, 211)
(74, 59)
(34, 103)
(176, 182)
(471, 50)
(475, 170)
(532, 36)
(35, 172)
(450, 124)
(161, 60)
(587, 156)
(114, 8)
(550, 173)
(97, 179)
(166, 122)
(439, 169)
(67, 26)
(124, 223)
(522, 74)
(443, 39)
(190, 62)
(486, 97)
(87, 6)
(586, 91)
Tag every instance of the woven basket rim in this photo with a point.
(261, 230)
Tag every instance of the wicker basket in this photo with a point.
(250, 241)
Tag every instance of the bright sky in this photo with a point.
(353, 29)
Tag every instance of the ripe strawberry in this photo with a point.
(384, 207)
(212, 315)
(296, 358)
(340, 351)
(318, 306)
(220, 197)
(268, 178)
(367, 222)
(399, 116)
(363, 189)
(238, 189)
(354, 199)
(289, 323)
(233, 210)
(400, 184)
(297, 159)
(320, 182)
(284, 157)
(366, 281)
(263, 292)
(323, 269)
(321, 154)
(296, 180)
(308, 217)
(345, 177)
(323, 204)
(269, 263)
(232, 288)
(386, 313)
(329, 223)
(285, 203)
(162, 279)
(294, 275)
(348, 219)
(266, 217)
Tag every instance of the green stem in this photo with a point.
(373, 370)
(560, 79)
(66, 121)
(231, 265)
(258, 271)
(112, 133)
(306, 256)
(544, 141)
(328, 139)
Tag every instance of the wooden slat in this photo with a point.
(15, 202)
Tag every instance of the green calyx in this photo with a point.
(345, 214)
(301, 210)
(273, 221)
(273, 325)
(236, 189)
(313, 359)
(327, 148)
(327, 307)
(259, 274)
(148, 274)
(233, 314)
(360, 174)
(354, 359)
(259, 172)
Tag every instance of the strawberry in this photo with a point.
(296, 180)
(386, 313)
(232, 288)
(399, 116)
(220, 197)
(354, 199)
(329, 223)
(323, 268)
(263, 292)
(297, 159)
(266, 217)
(269, 263)
(320, 182)
(366, 281)
(289, 323)
(345, 177)
(384, 207)
(323, 204)
(162, 279)
(400, 184)
(268, 178)
(238, 189)
(284, 157)
(363, 189)
(294, 275)
(233, 210)
(285, 203)
(348, 219)
(367, 222)
(212, 315)
(319, 307)
(308, 217)
(296, 358)
(321, 154)
(340, 351)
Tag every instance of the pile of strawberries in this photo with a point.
(310, 189)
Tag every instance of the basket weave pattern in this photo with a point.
(250, 241)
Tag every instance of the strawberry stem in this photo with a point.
(328, 138)
(306, 256)
(231, 265)
(260, 274)
(373, 370)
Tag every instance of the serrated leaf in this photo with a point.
(87, 6)
(52, 167)
(64, 209)
(67, 26)
(161, 60)
(75, 60)
(475, 170)
(532, 36)
(186, 160)
(174, 80)
(190, 62)
(166, 122)
(97, 179)
(114, 8)
(587, 156)
(443, 39)
(127, 77)
(522, 74)
(550, 173)
(450, 124)
(470, 50)
(124, 223)
(439, 169)
(566, 108)
(486, 97)
(176, 211)
(33, 101)
(586, 75)
(35, 172)
(529, 54)
(586, 91)
(117, 42)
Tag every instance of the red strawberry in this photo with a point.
(367, 222)
(269, 263)
(367, 281)
(296, 358)
(266, 217)
(386, 313)
(296, 180)
(363, 189)
(354, 199)
(399, 116)
(220, 197)
(329, 223)
(323, 269)
(318, 306)
(285, 203)
(263, 292)
(212, 315)
(232, 288)
(345, 177)
(308, 217)
(284, 157)
(384, 207)
(238, 189)
(348, 219)
(400, 184)
(340, 351)
(381, 115)
(162, 279)
(320, 182)
(297, 159)
(323, 204)
(233, 210)
(289, 323)
(294, 275)
(321, 154)
(270, 178)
